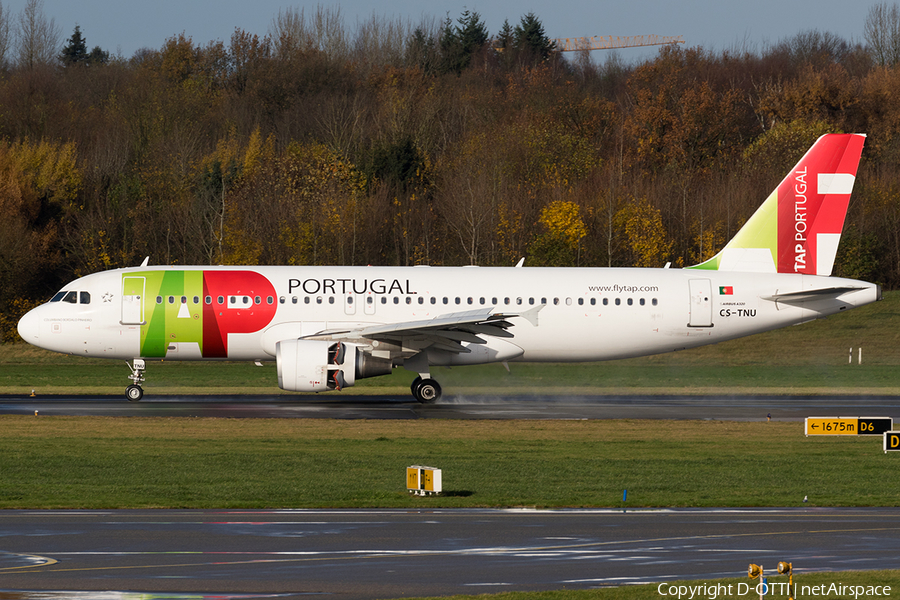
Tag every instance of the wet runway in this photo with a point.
(364, 554)
(734, 408)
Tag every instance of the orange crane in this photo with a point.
(613, 41)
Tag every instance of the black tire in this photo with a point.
(427, 391)
(414, 387)
(134, 393)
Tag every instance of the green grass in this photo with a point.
(810, 358)
(805, 584)
(87, 462)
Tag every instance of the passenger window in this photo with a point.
(171, 299)
(280, 299)
(383, 300)
(494, 301)
(409, 299)
(306, 300)
(84, 297)
(349, 300)
(643, 302)
(293, 299)
(580, 301)
(606, 302)
(396, 300)
(555, 301)
(519, 301)
(421, 300)
(257, 300)
(370, 300)
(196, 299)
(270, 300)
(593, 301)
(568, 302)
(330, 299)
(458, 300)
(531, 301)
(446, 300)
(434, 299)
(184, 299)
(318, 299)
(654, 302)
(618, 301)
(220, 300)
(630, 302)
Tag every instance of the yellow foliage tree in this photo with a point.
(645, 233)
(559, 244)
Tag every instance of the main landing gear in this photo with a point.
(135, 392)
(425, 390)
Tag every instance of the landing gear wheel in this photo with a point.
(426, 391)
(134, 393)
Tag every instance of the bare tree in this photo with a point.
(882, 33)
(39, 39)
(293, 32)
(4, 37)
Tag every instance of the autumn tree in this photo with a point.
(882, 33)
(38, 37)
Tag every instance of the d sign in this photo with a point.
(891, 441)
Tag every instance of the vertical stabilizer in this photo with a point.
(798, 227)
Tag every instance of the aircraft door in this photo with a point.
(133, 289)
(701, 303)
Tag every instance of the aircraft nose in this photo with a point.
(29, 326)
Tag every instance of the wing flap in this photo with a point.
(446, 332)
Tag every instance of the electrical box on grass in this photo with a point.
(423, 481)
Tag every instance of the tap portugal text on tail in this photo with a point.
(326, 327)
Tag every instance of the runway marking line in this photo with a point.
(48, 561)
(369, 554)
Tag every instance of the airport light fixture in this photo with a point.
(784, 568)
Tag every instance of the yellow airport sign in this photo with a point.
(891, 441)
(848, 425)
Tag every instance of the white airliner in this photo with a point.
(326, 327)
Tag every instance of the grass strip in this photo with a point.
(108, 462)
(855, 585)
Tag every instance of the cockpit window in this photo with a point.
(58, 296)
(71, 297)
(84, 297)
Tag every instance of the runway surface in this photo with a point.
(364, 554)
(734, 408)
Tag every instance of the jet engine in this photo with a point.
(318, 366)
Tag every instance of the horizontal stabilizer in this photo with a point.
(812, 295)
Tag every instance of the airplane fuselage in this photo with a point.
(576, 314)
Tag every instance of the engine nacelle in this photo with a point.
(318, 366)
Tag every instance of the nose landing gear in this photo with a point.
(135, 392)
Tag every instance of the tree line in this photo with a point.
(430, 143)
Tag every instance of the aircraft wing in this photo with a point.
(446, 332)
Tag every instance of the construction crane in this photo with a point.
(613, 41)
